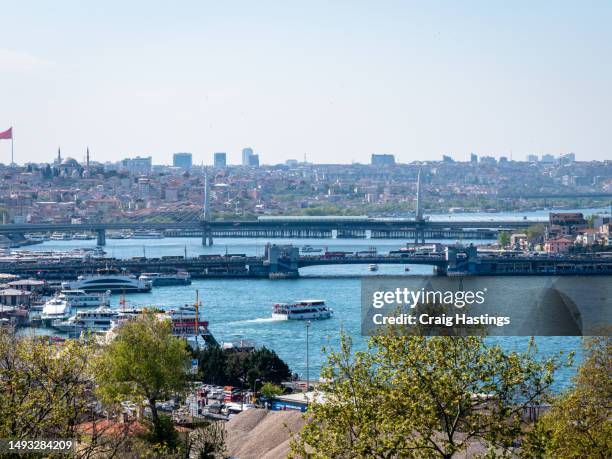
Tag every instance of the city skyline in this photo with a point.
(335, 82)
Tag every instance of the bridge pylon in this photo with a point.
(101, 236)
(207, 238)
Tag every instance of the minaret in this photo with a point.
(87, 161)
(419, 212)
(59, 156)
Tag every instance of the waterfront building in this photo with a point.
(558, 245)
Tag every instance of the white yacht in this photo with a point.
(163, 279)
(99, 319)
(109, 280)
(373, 267)
(83, 299)
(302, 310)
(58, 236)
(54, 309)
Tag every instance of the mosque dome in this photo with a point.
(70, 162)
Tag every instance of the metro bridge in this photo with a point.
(300, 227)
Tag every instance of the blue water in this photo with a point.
(241, 308)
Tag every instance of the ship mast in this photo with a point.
(197, 315)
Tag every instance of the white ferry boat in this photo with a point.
(302, 310)
(57, 236)
(373, 267)
(310, 249)
(54, 309)
(109, 280)
(163, 279)
(82, 236)
(100, 319)
(144, 234)
(83, 299)
(118, 234)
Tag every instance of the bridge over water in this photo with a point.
(284, 261)
(299, 227)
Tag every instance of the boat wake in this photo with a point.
(255, 321)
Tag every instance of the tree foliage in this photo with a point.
(271, 390)
(579, 423)
(241, 368)
(144, 362)
(503, 238)
(410, 396)
(44, 390)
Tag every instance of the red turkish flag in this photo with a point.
(8, 134)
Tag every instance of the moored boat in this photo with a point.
(55, 308)
(100, 319)
(83, 299)
(109, 280)
(165, 279)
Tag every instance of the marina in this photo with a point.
(246, 314)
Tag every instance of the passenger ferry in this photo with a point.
(54, 309)
(373, 267)
(144, 234)
(118, 234)
(82, 299)
(302, 310)
(163, 279)
(57, 236)
(310, 249)
(100, 319)
(109, 280)
(82, 236)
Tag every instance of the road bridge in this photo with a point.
(284, 261)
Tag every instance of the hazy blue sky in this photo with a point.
(335, 80)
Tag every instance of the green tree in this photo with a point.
(579, 423)
(503, 238)
(144, 362)
(264, 364)
(212, 363)
(44, 389)
(535, 233)
(422, 397)
(270, 390)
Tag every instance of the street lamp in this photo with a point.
(307, 359)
